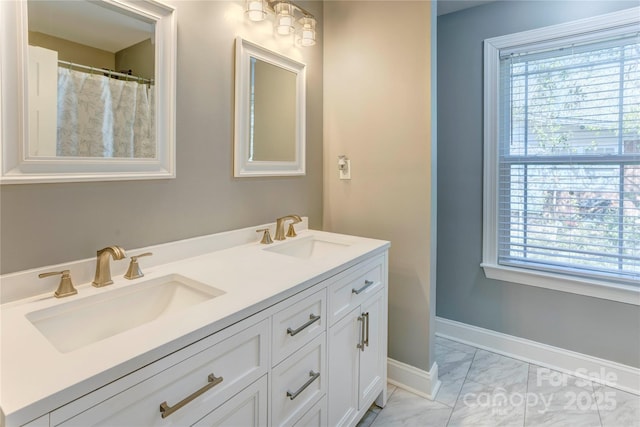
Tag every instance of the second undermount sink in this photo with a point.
(308, 247)
(81, 322)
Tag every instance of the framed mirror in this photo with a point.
(88, 90)
(269, 137)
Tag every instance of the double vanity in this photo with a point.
(219, 330)
(227, 329)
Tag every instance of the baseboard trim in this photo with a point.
(627, 378)
(410, 378)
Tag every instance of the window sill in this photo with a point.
(558, 282)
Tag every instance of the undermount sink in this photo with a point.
(78, 323)
(308, 247)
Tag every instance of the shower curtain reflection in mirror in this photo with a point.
(99, 116)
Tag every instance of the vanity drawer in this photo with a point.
(316, 416)
(246, 409)
(195, 381)
(298, 383)
(354, 286)
(300, 322)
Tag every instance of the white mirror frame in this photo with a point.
(16, 165)
(245, 50)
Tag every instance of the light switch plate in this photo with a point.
(346, 174)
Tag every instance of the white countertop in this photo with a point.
(35, 378)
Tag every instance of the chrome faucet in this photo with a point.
(103, 270)
(280, 226)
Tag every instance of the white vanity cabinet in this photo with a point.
(184, 392)
(315, 358)
(357, 343)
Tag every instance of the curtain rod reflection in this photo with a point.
(106, 72)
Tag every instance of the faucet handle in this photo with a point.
(65, 288)
(134, 271)
(266, 237)
(291, 232)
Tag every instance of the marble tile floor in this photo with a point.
(480, 388)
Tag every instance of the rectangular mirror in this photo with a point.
(88, 90)
(269, 113)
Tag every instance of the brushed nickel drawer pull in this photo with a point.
(313, 375)
(367, 283)
(167, 410)
(312, 319)
(366, 340)
(361, 343)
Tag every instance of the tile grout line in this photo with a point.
(374, 418)
(526, 395)
(595, 398)
(382, 409)
(453, 408)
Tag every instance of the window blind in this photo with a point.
(569, 159)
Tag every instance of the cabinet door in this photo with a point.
(246, 409)
(372, 358)
(344, 337)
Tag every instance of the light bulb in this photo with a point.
(308, 31)
(284, 18)
(256, 10)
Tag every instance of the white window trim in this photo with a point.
(553, 35)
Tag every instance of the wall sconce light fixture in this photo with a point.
(285, 18)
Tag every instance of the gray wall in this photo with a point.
(43, 224)
(588, 325)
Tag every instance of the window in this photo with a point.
(562, 157)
